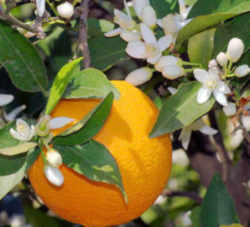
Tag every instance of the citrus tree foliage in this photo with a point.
(191, 57)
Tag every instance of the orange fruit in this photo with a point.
(144, 164)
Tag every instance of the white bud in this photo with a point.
(222, 58)
(139, 76)
(242, 70)
(164, 61)
(40, 6)
(229, 109)
(246, 122)
(180, 157)
(173, 72)
(212, 63)
(235, 49)
(149, 16)
(54, 158)
(54, 175)
(65, 10)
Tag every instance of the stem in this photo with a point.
(190, 63)
(191, 195)
(83, 33)
(53, 8)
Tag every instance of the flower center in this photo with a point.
(211, 84)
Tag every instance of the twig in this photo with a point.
(225, 160)
(83, 33)
(191, 195)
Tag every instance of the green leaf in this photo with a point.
(238, 27)
(218, 207)
(6, 140)
(106, 52)
(164, 7)
(21, 60)
(19, 149)
(195, 217)
(32, 157)
(198, 43)
(98, 27)
(93, 161)
(204, 7)
(180, 110)
(90, 83)
(60, 83)
(89, 126)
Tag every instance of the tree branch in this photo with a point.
(83, 33)
(191, 195)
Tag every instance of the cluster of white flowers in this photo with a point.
(142, 41)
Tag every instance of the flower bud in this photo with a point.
(54, 175)
(139, 76)
(149, 16)
(212, 63)
(42, 127)
(235, 49)
(164, 61)
(242, 70)
(65, 10)
(229, 109)
(222, 58)
(54, 158)
(173, 72)
(246, 122)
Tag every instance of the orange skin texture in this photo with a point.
(144, 163)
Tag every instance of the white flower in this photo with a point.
(130, 36)
(211, 83)
(139, 5)
(5, 99)
(23, 131)
(213, 66)
(170, 67)
(198, 125)
(59, 122)
(14, 113)
(222, 58)
(40, 6)
(235, 49)
(124, 20)
(242, 70)
(230, 109)
(54, 158)
(65, 10)
(150, 49)
(139, 76)
(149, 16)
(54, 175)
(180, 157)
(246, 122)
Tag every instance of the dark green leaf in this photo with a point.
(106, 52)
(90, 83)
(200, 47)
(21, 60)
(218, 207)
(165, 7)
(180, 110)
(89, 126)
(204, 7)
(238, 27)
(6, 140)
(60, 83)
(94, 161)
(195, 217)
(32, 157)
(98, 27)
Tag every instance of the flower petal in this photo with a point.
(201, 75)
(136, 49)
(169, 24)
(54, 175)
(147, 34)
(208, 130)
(139, 76)
(23, 128)
(59, 122)
(139, 5)
(203, 95)
(172, 72)
(223, 87)
(113, 33)
(166, 60)
(230, 109)
(220, 97)
(17, 135)
(40, 5)
(235, 49)
(185, 137)
(14, 113)
(149, 16)
(164, 42)
(130, 36)
(154, 59)
(5, 99)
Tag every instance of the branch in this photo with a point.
(225, 160)
(83, 33)
(191, 195)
